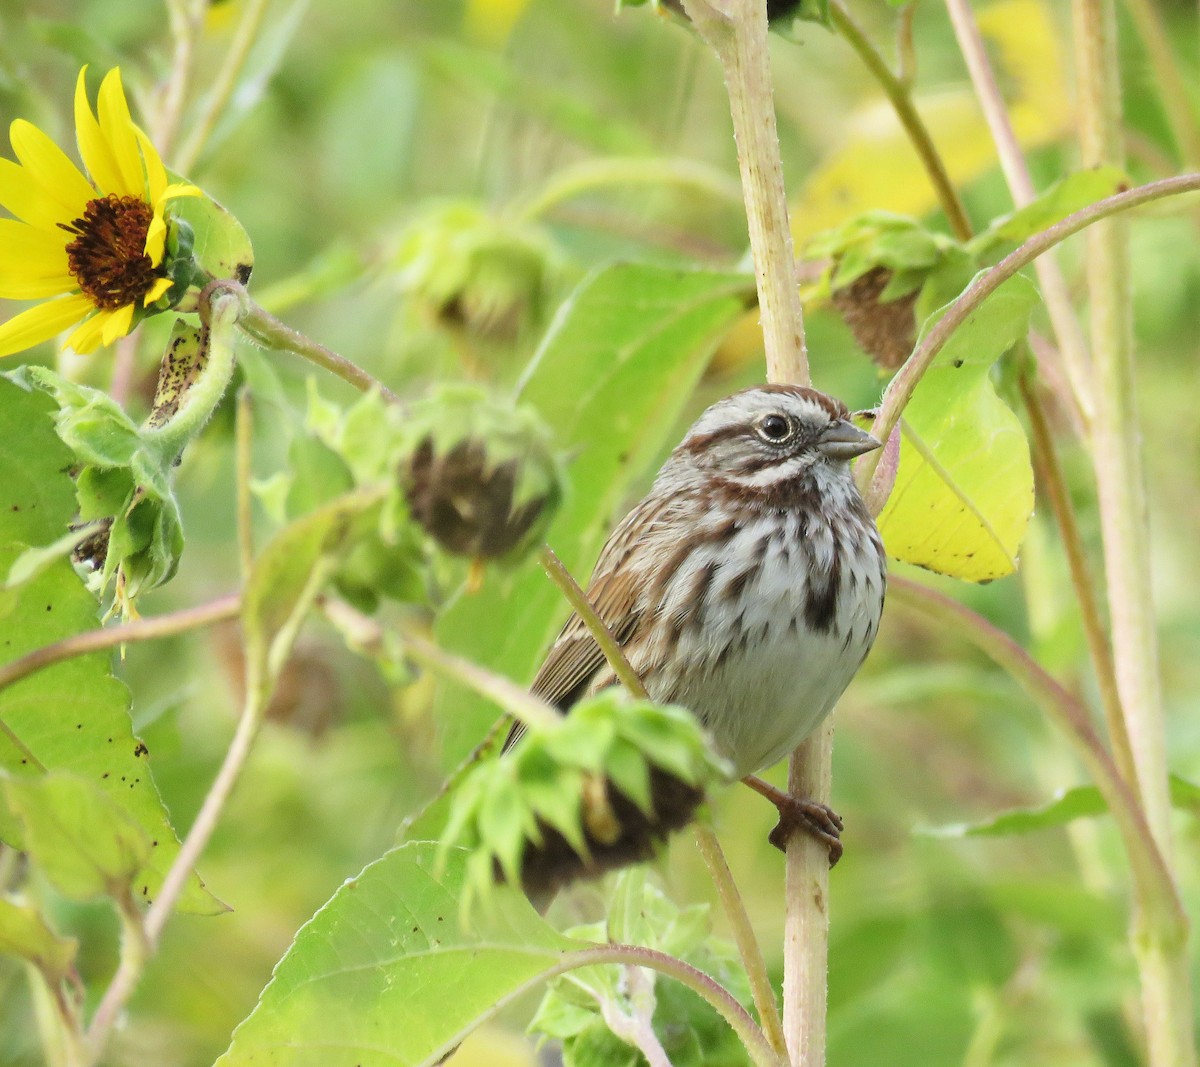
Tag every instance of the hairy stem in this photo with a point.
(145, 629)
(900, 390)
(743, 935)
(899, 95)
(269, 332)
(1071, 343)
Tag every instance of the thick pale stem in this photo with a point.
(1115, 437)
(737, 32)
(806, 929)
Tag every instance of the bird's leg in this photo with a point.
(798, 813)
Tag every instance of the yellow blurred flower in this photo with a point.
(90, 250)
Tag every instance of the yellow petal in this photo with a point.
(38, 252)
(156, 173)
(23, 286)
(51, 169)
(86, 336)
(41, 323)
(22, 196)
(117, 324)
(156, 239)
(181, 189)
(157, 290)
(116, 124)
(94, 149)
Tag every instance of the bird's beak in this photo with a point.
(844, 440)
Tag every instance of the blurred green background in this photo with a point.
(354, 124)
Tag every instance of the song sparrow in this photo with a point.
(747, 586)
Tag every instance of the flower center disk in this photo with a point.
(108, 256)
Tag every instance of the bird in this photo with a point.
(746, 586)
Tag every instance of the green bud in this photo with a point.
(481, 476)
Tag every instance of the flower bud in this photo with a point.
(481, 479)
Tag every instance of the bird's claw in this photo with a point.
(818, 820)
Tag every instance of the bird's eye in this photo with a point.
(774, 428)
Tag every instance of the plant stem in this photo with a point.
(1115, 438)
(900, 97)
(1158, 900)
(1050, 477)
(900, 390)
(512, 698)
(146, 629)
(560, 576)
(244, 457)
(806, 925)
(737, 31)
(743, 936)
(1159, 945)
(269, 332)
(700, 983)
(223, 86)
(1174, 90)
(135, 952)
(1071, 343)
(186, 18)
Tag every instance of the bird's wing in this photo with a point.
(575, 657)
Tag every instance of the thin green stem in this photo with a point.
(743, 936)
(1050, 478)
(145, 629)
(244, 459)
(507, 694)
(224, 84)
(1174, 90)
(597, 627)
(703, 985)
(1072, 346)
(1158, 899)
(899, 95)
(136, 951)
(604, 173)
(269, 332)
(900, 390)
(186, 18)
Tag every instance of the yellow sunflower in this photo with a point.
(96, 246)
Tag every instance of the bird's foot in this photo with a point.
(798, 813)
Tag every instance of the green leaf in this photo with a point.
(87, 845)
(1079, 802)
(221, 247)
(25, 934)
(385, 973)
(610, 379)
(964, 490)
(73, 716)
(1063, 198)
